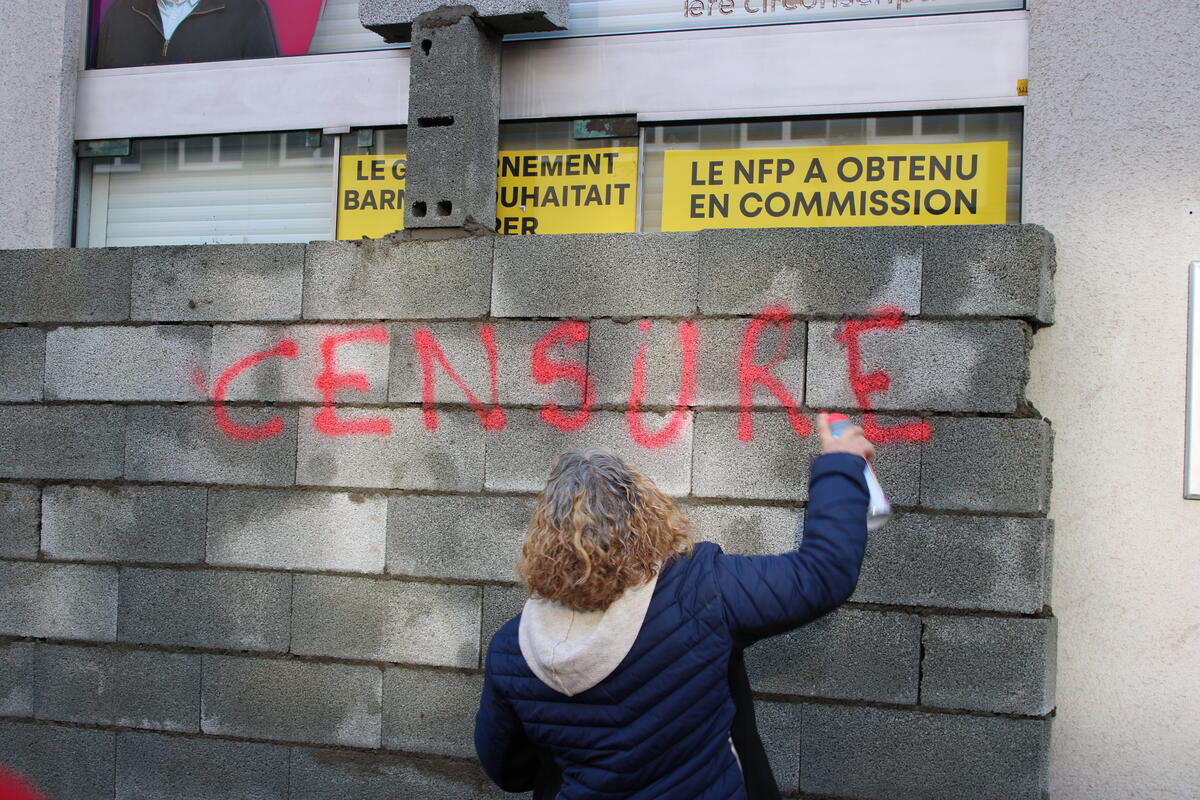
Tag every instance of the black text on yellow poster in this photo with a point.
(787, 187)
(567, 191)
(370, 196)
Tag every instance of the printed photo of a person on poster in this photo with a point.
(135, 33)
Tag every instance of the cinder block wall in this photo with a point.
(187, 613)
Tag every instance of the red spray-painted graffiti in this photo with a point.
(285, 349)
(689, 341)
(889, 319)
(546, 370)
(428, 349)
(750, 373)
(330, 381)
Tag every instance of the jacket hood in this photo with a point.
(572, 651)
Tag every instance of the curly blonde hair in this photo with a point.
(600, 527)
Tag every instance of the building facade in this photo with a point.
(210, 195)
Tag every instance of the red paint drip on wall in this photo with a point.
(750, 373)
(329, 381)
(889, 318)
(689, 341)
(491, 416)
(546, 371)
(273, 427)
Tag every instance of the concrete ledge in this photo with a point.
(215, 609)
(397, 279)
(60, 761)
(19, 506)
(414, 623)
(66, 285)
(981, 664)
(989, 271)
(592, 275)
(882, 753)
(810, 270)
(291, 701)
(217, 282)
(172, 768)
(848, 655)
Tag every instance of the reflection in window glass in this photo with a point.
(270, 187)
(937, 127)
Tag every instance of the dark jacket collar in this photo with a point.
(149, 8)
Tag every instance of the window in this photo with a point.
(267, 187)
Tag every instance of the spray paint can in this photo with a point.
(879, 510)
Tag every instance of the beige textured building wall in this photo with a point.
(40, 55)
(1113, 169)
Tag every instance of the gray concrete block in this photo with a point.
(747, 530)
(985, 563)
(460, 342)
(139, 689)
(989, 271)
(217, 282)
(879, 754)
(411, 456)
(848, 654)
(18, 668)
(19, 506)
(73, 763)
(459, 116)
(614, 346)
(155, 362)
(392, 19)
(292, 701)
(185, 444)
(319, 774)
(58, 601)
(214, 609)
(462, 538)
(398, 279)
(987, 465)
(779, 728)
(67, 285)
(810, 270)
(519, 458)
(172, 768)
(934, 366)
(127, 523)
(426, 711)
(295, 380)
(500, 604)
(297, 530)
(999, 664)
(22, 363)
(63, 442)
(595, 275)
(413, 623)
(774, 464)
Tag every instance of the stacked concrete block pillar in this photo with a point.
(260, 505)
(454, 100)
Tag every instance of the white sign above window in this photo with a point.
(597, 17)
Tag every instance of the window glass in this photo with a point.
(897, 169)
(127, 33)
(265, 187)
(133, 33)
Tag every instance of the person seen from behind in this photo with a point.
(623, 677)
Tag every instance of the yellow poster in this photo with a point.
(789, 187)
(370, 196)
(567, 191)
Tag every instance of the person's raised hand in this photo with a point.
(852, 440)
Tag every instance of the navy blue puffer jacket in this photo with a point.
(657, 727)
